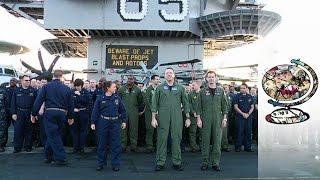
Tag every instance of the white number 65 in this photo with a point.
(143, 10)
(183, 10)
(133, 16)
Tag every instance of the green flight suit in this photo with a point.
(168, 105)
(148, 117)
(132, 99)
(211, 109)
(193, 101)
(224, 141)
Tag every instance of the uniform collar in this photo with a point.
(132, 86)
(22, 89)
(166, 84)
(108, 97)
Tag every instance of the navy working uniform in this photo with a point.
(9, 119)
(3, 120)
(21, 105)
(108, 114)
(79, 128)
(58, 104)
(91, 133)
(243, 126)
(255, 119)
(97, 93)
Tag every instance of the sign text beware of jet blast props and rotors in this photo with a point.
(129, 57)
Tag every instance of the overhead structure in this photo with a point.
(12, 48)
(60, 48)
(119, 34)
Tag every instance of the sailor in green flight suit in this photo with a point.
(167, 101)
(193, 100)
(212, 117)
(155, 81)
(224, 141)
(132, 98)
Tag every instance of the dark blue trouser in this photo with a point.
(22, 131)
(244, 132)
(109, 133)
(54, 122)
(79, 130)
(43, 137)
(8, 123)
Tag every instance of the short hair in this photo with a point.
(141, 83)
(169, 68)
(78, 82)
(13, 80)
(58, 74)
(102, 79)
(107, 84)
(87, 81)
(43, 78)
(153, 77)
(131, 76)
(210, 72)
(244, 84)
(23, 76)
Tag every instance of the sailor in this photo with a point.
(166, 102)
(244, 106)
(9, 91)
(155, 81)
(59, 104)
(21, 106)
(79, 129)
(212, 117)
(3, 120)
(193, 100)
(108, 118)
(132, 98)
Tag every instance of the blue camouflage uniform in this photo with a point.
(3, 120)
(21, 105)
(108, 114)
(59, 103)
(9, 92)
(79, 128)
(243, 126)
(97, 93)
(91, 133)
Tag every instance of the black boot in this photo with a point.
(216, 168)
(159, 168)
(16, 151)
(204, 167)
(99, 168)
(59, 163)
(116, 169)
(47, 161)
(177, 167)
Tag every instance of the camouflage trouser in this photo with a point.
(3, 129)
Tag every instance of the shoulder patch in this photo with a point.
(116, 101)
